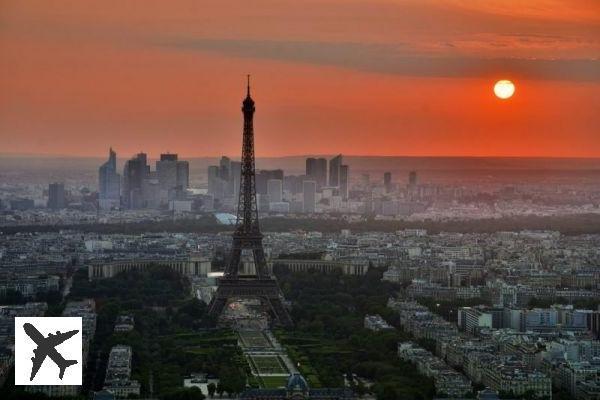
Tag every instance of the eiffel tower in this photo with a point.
(247, 236)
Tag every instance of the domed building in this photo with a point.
(297, 388)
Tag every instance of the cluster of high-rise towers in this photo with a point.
(142, 187)
(273, 186)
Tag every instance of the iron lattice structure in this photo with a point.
(247, 236)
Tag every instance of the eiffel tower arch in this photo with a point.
(247, 236)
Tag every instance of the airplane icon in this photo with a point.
(47, 347)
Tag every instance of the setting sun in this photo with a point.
(504, 89)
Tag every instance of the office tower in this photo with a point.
(412, 178)
(213, 176)
(224, 179)
(263, 202)
(263, 176)
(235, 172)
(387, 181)
(293, 183)
(134, 173)
(321, 175)
(168, 157)
(166, 171)
(225, 168)
(334, 171)
(150, 196)
(344, 176)
(109, 183)
(311, 166)
(144, 160)
(56, 196)
(183, 175)
(316, 169)
(275, 190)
(173, 177)
(309, 189)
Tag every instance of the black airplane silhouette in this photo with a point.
(46, 347)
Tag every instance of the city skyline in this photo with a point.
(415, 78)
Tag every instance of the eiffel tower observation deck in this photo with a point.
(247, 237)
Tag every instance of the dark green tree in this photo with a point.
(211, 389)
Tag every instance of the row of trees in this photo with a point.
(166, 342)
(328, 312)
(576, 224)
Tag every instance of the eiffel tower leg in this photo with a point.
(216, 306)
(234, 261)
(281, 315)
(260, 262)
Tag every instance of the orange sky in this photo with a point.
(388, 77)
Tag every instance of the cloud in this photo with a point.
(400, 59)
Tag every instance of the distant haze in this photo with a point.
(84, 170)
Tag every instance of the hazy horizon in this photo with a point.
(152, 156)
(430, 169)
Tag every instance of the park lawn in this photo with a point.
(269, 364)
(200, 351)
(273, 382)
(254, 339)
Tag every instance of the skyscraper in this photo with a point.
(275, 190)
(173, 177)
(109, 183)
(334, 171)
(235, 173)
(309, 189)
(316, 169)
(183, 175)
(166, 171)
(293, 183)
(56, 196)
(224, 179)
(387, 181)
(134, 173)
(412, 178)
(225, 168)
(263, 176)
(344, 177)
(213, 179)
(311, 166)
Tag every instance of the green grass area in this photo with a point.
(269, 364)
(273, 382)
(254, 339)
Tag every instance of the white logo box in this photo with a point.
(70, 350)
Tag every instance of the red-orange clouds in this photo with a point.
(358, 77)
